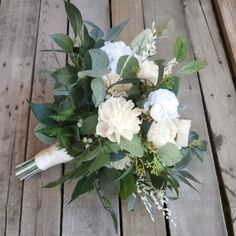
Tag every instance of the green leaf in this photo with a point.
(74, 17)
(111, 147)
(106, 181)
(93, 73)
(124, 174)
(42, 112)
(127, 186)
(66, 75)
(127, 67)
(100, 160)
(89, 124)
(116, 30)
(42, 137)
(134, 147)
(198, 153)
(181, 49)
(64, 42)
(170, 154)
(96, 31)
(203, 145)
(99, 92)
(84, 185)
(140, 42)
(192, 67)
(132, 202)
(99, 58)
(187, 175)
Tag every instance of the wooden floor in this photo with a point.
(26, 209)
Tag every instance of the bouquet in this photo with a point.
(115, 116)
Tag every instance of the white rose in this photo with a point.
(163, 105)
(162, 132)
(118, 118)
(148, 72)
(118, 89)
(183, 132)
(115, 50)
(121, 164)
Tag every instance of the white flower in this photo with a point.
(148, 72)
(162, 132)
(118, 118)
(163, 105)
(183, 132)
(115, 50)
(121, 164)
(118, 89)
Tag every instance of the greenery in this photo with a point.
(72, 118)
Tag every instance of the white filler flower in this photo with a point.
(115, 50)
(163, 105)
(162, 132)
(118, 89)
(118, 117)
(148, 72)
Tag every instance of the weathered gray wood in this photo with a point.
(138, 222)
(41, 209)
(218, 91)
(195, 213)
(86, 216)
(226, 15)
(17, 49)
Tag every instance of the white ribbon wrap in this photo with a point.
(51, 156)
(183, 132)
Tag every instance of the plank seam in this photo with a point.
(223, 196)
(29, 114)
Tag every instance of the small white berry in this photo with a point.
(87, 145)
(90, 140)
(85, 140)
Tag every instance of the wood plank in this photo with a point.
(41, 209)
(218, 90)
(194, 213)
(17, 47)
(86, 216)
(226, 15)
(139, 221)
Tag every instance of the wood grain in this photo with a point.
(138, 222)
(194, 213)
(218, 90)
(86, 216)
(226, 10)
(41, 209)
(18, 32)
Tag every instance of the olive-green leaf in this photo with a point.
(192, 67)
(100, 160)
(64, 42)
(116, 30)
(66, 75)
(127, 186)
(181, 48)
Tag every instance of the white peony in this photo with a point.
(121, 164)
(118, 118)
(118, 89)
(162, 132)
(148, 72)
(115, 50)
(163, 105)
(183, 132)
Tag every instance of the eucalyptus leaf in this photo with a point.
(170, 154)
(134, 146)
(42, 137)
(99, 58)
(96, 31)
(132, 202)
(180, 49)
(192, 67)
(64, 42)
(140, 42)
(116, 30)
(93, 73)
(99, 92)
